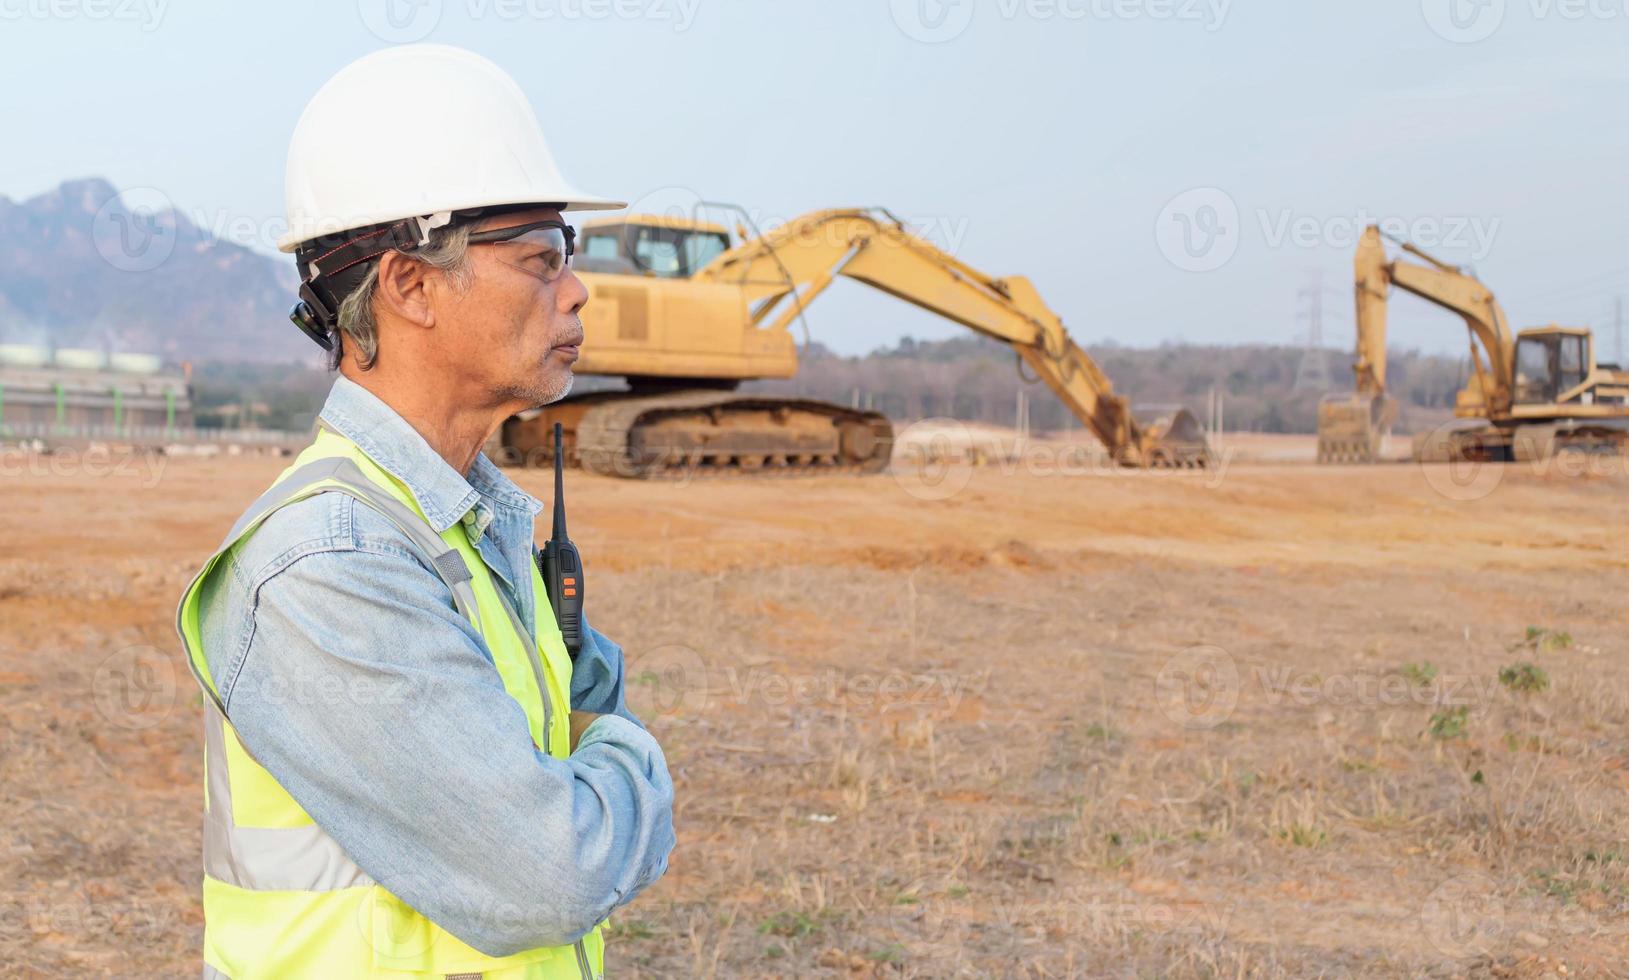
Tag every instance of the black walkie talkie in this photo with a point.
(560, 566)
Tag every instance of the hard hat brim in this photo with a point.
(309, 230)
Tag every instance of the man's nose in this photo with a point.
(572, 295)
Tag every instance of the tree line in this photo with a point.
(975, 379)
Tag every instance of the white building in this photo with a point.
(88, 390)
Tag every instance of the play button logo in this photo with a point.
(932, 21)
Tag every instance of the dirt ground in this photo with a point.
(1026, 719)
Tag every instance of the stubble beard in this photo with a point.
(543, 391)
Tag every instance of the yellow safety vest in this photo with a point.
(282, 899)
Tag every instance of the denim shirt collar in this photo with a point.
(445, 495)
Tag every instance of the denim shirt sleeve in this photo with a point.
(349, 675)
(597, 682)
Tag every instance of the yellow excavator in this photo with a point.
(1529, 396)
(685, 317)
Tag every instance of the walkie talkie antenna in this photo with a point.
(559, 486)
(559, 563)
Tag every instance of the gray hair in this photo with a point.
(448, 251)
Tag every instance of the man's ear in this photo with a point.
(402, 289)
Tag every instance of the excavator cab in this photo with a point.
(650, 245)
(1552, 363)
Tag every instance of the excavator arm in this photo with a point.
(1372, 288)
(1351, 427)
(785, 270)
(1493, 347)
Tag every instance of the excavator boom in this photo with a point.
(785, 270)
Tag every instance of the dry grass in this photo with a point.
(992, 735)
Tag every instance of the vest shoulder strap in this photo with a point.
(338, 474)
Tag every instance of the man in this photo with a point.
(406, 772)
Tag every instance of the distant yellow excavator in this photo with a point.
(685, 317)
(1529, 395)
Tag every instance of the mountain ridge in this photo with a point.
(83, 265)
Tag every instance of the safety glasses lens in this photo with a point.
(541, 251)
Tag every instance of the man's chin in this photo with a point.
(545, 392)
(540, 391)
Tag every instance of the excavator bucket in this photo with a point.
(1175, 438)
(1353, 427)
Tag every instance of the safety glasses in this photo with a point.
(542, 249)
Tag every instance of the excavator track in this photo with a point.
(723, 433)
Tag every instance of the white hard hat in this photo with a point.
(418, 130)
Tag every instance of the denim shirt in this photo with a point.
(349, 675)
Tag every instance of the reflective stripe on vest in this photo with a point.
(281, 897)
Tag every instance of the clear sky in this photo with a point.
(1162, 169)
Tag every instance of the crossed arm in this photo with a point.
(349, 676)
